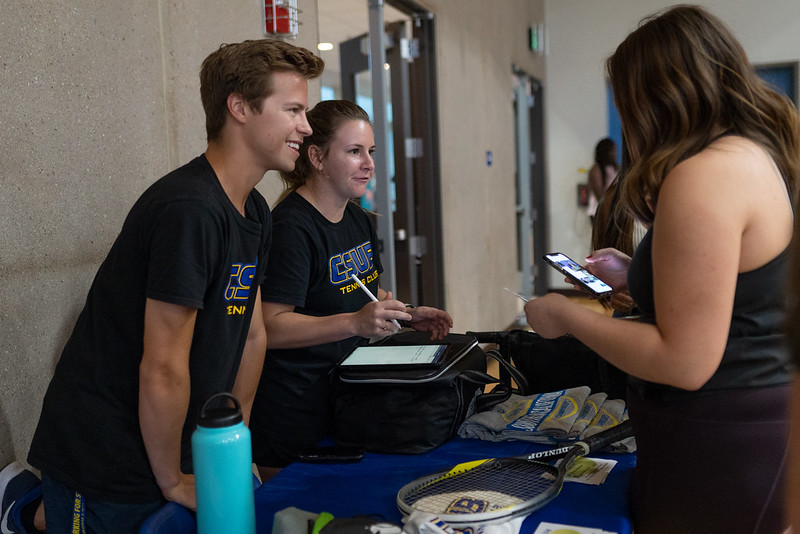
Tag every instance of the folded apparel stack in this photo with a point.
(556, 417)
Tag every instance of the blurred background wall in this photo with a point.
(102, 98)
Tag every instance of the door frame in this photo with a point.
(409, 225)
(531, 195)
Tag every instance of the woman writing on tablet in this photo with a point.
(314, 312)
(714, 162)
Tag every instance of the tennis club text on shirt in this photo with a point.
(355, 287)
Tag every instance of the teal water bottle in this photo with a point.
(222, 460)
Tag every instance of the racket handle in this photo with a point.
(592, 443)
(607, 437)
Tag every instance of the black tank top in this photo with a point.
(756, 353)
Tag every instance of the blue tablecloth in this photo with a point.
(370, 487)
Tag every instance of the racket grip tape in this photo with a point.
(607, 437)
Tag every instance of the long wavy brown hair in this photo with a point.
(680, 80)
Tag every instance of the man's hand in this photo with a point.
(183, 492)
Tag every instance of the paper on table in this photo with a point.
(593, 471)
(557, 528)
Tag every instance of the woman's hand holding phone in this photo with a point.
(610, 265)
(579, 275)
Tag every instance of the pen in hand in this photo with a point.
(372, 297)
(517, 295)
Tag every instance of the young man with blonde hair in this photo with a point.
(174, 313)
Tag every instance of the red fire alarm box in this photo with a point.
(280, 17)
(583, 195)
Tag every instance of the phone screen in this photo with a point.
(581, 276)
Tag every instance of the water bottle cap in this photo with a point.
(220, 416)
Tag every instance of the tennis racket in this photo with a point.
(499, 489)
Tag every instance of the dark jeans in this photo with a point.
(68, 511)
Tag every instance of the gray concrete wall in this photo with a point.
(100, 99)
(478, 42)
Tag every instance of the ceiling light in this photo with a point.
(325, 46)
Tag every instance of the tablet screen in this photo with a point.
(376, 355)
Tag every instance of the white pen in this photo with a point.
(516, 294)
(372, 297)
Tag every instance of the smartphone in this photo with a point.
(572, 270)
(332, 454)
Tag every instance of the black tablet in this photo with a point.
(400, 356)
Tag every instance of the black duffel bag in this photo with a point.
(556, 364)
(395, 410)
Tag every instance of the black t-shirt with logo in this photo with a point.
(184, 243)
(310, 265)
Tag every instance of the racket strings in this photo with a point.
(493, 486)
(496, 490)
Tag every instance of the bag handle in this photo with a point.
(503, 390)
(516, 375)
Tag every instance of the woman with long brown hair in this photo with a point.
(714, 159)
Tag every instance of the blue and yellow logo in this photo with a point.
(356, 260)
(239, 286)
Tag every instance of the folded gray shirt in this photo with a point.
(556, 417)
